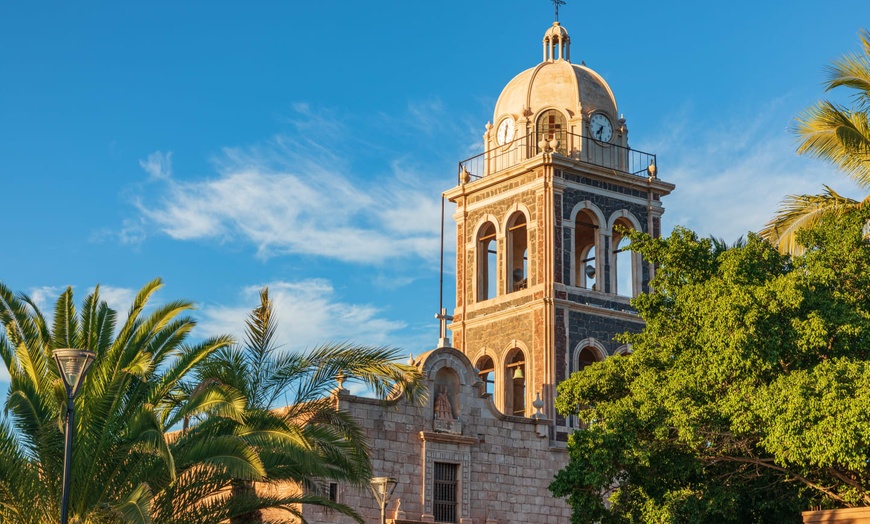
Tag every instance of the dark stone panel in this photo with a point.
(561, 343)
(603, 303)
(603, 328)
(557, 240)
(567, 243)
(591, 182)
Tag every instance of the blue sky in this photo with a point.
(224, 146)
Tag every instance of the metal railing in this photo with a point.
(576, 147)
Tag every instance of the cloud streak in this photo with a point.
(294, 196)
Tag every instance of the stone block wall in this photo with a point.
(504, 465)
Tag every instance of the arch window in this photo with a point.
(486, 373)
(515, 381)
(518, 252)
(623, 351)
(487, 263)
(551, 124)
(625, 267)
(587, 356)
(586, 250)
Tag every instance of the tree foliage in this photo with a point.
(745, 398)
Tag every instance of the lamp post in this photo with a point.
(73, 365)
(383, 488)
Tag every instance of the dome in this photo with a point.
(556, 83)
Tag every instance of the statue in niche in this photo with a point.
(446, 408)
(443, 409)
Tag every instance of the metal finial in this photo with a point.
(556, 4)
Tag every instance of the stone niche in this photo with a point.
(446, 406)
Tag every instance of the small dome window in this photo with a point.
(551, 127)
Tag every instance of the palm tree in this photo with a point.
(834, 133)
(291, 418)
(127, 468)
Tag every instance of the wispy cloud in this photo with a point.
(308, 313)
(427, 116)
(297, 195)
(731, 176)
(158, 165)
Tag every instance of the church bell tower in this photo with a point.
(543, 282)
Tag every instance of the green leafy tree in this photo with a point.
(290, 417)
(836, 134)
(745, 398)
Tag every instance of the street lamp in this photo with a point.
(383, 488)
(73, 365)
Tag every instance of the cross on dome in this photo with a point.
(556, 4)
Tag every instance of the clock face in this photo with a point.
(601, 128)
(506, 131)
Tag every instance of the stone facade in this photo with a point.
(504, 464)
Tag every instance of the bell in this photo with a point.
(590, 272)
(518, 373)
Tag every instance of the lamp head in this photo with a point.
(383, 488)
(73, 365)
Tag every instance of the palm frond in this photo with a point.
(375, 366)
(231, 454)
(66, 332)
(131, 324)
(837, 135)
(144, 429)
(853, 71)
(136, 508)
(185, 363)
(217, 399)
(798, 212)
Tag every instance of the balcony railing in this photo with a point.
(576, 147)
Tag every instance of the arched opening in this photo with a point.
(518, 252)
(551, 125)
(487, 263)
(515, 383)
(486, 373)
(585, 250)
(587, 356)
(623, 351)
(624, 268)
